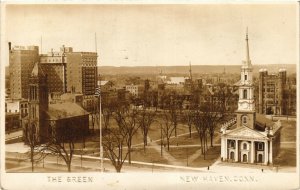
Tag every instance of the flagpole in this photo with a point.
(100, 121)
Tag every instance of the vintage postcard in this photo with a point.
(149, 95)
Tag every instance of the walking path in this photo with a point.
(165, 154)
(13, 135)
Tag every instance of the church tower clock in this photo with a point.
(246, 103)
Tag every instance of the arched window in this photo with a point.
(245, 77)
(245, 146)
(244, 94)
(244, 119)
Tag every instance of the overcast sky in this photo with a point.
(162, 35)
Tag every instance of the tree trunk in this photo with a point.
(69, 166)
(118, 169)
(168, 143)
(190, 129)
(129, 154)
(211, 140)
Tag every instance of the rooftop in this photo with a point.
(64, 110)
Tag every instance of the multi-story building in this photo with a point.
(54, 65)
(271, 93)
(81, 72)
(21, 62)
(135, 90)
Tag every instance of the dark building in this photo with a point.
(72, 72)
(271, 95)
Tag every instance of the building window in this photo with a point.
(245, 94)
(231, 144)
(260, 146)
(245, 146)
(244, 119)
(245, 77)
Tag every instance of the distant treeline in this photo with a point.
(196, 69)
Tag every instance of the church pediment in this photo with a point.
(245, 132)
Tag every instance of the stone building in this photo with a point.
(272, 96)
(250, 137)
(44, 120)
(21, 62)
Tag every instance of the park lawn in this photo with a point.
(286, 157)
(181, 153)
(154, 132)
(150, 155)
(212, 155)
(288, 131)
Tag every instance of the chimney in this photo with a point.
(9, 46)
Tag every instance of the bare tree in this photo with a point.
(95, 113)
(200, 124)
(128, 124)
(62, 141)
(214, 110)
(107, 111)
(167, 127)
(188, 118)
(147, 117)
(113, 144)
(31, 140)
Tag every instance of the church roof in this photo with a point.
(246, 133)
(262, 121)
(65, 110)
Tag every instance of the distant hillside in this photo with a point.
(184, 70)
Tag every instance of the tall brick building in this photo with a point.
(72, 72)
(272, 96)
(81, 73)
(21, 62)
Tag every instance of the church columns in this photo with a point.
(225, 150)
(252, 152)
(266, 156)
(271, 153)
(236, 151)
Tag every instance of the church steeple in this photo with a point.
(247, 61)
(246, 103)
(191, 72)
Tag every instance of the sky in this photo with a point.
(161, 35)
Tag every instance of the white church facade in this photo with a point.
(250, 137)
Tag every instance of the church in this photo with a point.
(50, 120)
(250, 137)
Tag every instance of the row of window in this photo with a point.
(260, 145)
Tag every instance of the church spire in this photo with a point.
(248, 61)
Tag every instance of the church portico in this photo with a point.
(246, 150)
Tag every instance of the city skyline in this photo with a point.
(132, 35)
